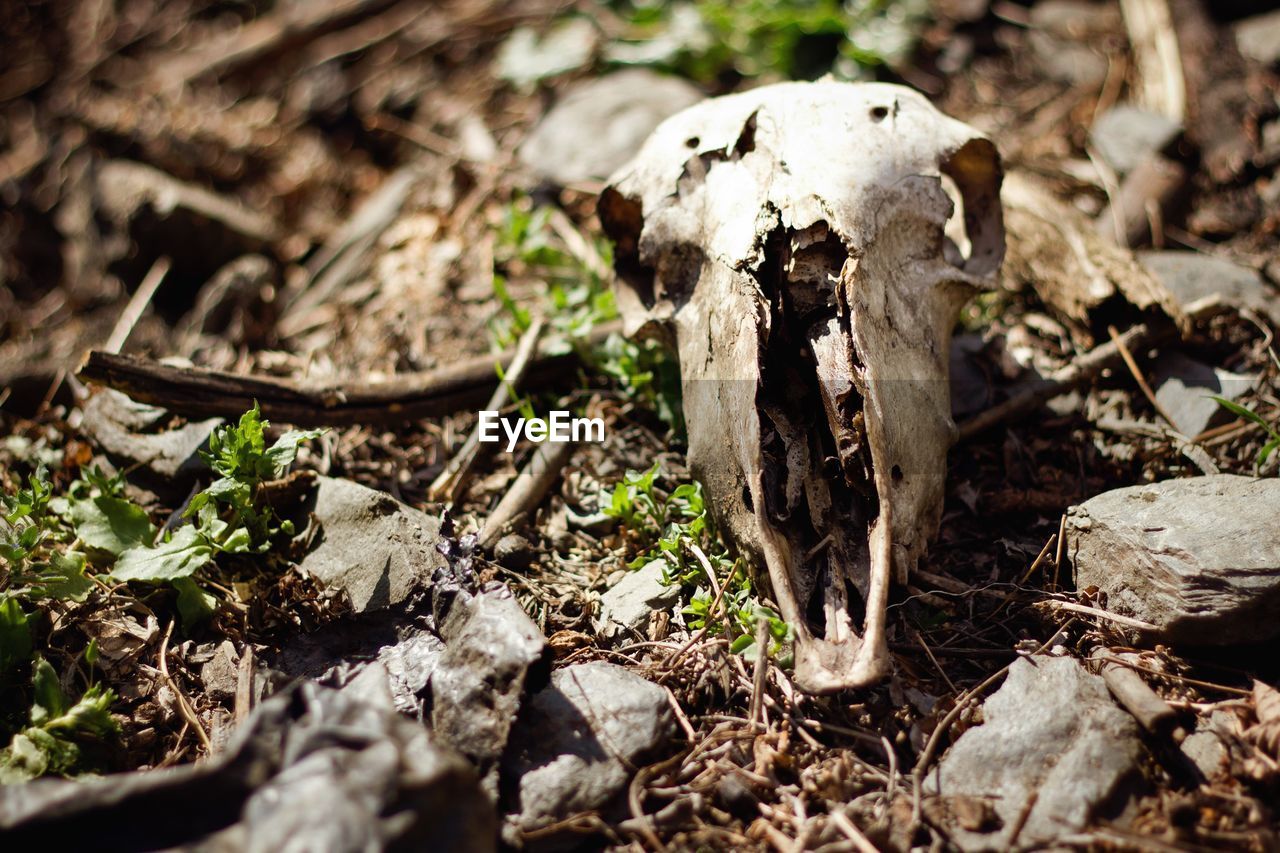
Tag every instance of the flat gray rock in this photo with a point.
(1126, 135)
(1183, 388)
(494, 655)
(370, 545)
(1052, 729)
(1207, 752)
(576, 746)
(221, 673)
(1197, 558)
(628, 604)
(1191, 277)
(598, 126)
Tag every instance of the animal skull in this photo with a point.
(796, 244)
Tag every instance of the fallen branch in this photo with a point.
(198, 393)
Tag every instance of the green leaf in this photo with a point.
(112, 524)
(90, 716)
(194, 604)
(1247, 414)
(180, 557)
(47, 703)
(283, 452)
(15, 635)
(1267, 449)
(64, 578)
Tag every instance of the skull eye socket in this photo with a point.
(879, 114)
(972, 176)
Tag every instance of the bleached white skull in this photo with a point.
(791, 241)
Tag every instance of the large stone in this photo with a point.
(1194, 278)
(598, 126)
(578, 743)
(1053, 731)
(628, 604)
(1126, 135)
(1197, 558)
(370, 545)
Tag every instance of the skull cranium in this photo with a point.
(792, 242)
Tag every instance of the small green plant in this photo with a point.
(227, 518)
(1273, 435)
(791, 39)
(576, 298)
(52, 742)
(576, 295)
(48, 542)
(677, 530)
(56, 548)
(241, 456)
(37, 561)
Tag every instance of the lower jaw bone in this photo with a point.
(790, 242)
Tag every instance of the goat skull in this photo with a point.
(797, 246)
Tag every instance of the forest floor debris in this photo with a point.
(356, 164)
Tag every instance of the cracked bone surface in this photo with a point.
(797, 245)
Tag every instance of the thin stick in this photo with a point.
(528, 489)
(1022, 818)
(1163, 86)
(185, 709)
(137, 304)
(1136, 624)
(455, 473)
(681, 717)
(244, 685)
(938, 666)
(1138, 377)
(851, 832)
(671, 662)
(1062, 541)
(762, 666)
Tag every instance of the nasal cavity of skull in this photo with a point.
(817, 256)
(823, 594)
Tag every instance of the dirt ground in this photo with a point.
(276, 125)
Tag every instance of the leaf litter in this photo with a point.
(302, 134)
